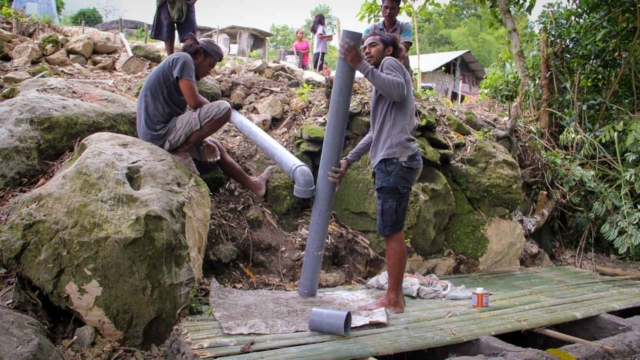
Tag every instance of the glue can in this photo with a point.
(480, 298)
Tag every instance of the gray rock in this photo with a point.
(283, 76)
(208, 87)
(255, 217)
(104, 47)
(313, 78)
(272, 107)
(78, 59)
(237, 98)
(332, 279)
(103, 62)
(81, 45)
(128, 224)
(250, 99)
(26, 54)
(15, 77)
(257, 66)
(47, 118)
(60, 58)
(226, 252)
(84, 337)
(24, 338)
(262, 121)
(147, 51)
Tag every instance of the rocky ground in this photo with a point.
(85, 223)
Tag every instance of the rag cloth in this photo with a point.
(425, 287)
(177, 9)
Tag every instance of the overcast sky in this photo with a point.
(251, 13)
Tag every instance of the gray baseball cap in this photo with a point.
(210, 47)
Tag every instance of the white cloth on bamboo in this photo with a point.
(425, 287)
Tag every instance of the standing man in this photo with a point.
(391, 25)
(393, 150)
(162, 119)
(171, 14)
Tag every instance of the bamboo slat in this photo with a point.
(521, 300)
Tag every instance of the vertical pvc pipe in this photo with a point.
(325, 189)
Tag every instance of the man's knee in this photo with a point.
(218, 111)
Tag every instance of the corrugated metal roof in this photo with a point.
(38, 8)
(432, 62)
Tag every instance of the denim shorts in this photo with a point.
(393, 179)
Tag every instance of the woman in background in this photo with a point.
(302, 46)
(321, 38)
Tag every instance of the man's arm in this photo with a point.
(362, 148)
(389, 82)
(190, 92)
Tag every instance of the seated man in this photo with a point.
(162, 119)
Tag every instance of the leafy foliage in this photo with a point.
(283, 37)
(91, 17)
(330, 20)
(596, 167)
(60, 6)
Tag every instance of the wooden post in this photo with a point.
(266, 50)
(339, 28)
(146, 33)
(121, 25)
(38, 30)
(218, 35)
(83, 23)
(573, 339)
(15, 26)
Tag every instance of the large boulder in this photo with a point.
(430, 206)
(105, 47)
(465, 232)
(208, 87)
(256, 66)
(25, 54)
(313, 78)
(490, 178)
(117, 236)
(147, 51)
(506, 243)
(95, 34)
(48, 117)
(60, 58)
(81, 45)
(24, 338)
(49, 43)
(16, 77)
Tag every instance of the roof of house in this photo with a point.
(432, 62)
(38, 8)
(233, 30)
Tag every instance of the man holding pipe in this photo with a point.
(393, 150)
(162, 119)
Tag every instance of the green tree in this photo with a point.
(60, 6)
(90, 16)
(283, 37)
(330, 20)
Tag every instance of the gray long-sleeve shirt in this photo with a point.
(393, 119)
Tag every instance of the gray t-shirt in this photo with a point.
(161, 100)
(393, 117)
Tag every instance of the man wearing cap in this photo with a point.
(162, 119)
(171, 14)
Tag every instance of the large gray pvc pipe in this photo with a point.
(331, 151)
(296, 169)
(330, 321)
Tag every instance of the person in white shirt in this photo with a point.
(320, 38)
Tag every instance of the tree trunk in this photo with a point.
(543, 120)
(518, 57)
(415, 31)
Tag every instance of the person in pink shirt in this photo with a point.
(302, 47)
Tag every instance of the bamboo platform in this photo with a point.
(522, 300)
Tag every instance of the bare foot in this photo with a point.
(211, 151)
(390, 302)
(261, 182)
(185, 159)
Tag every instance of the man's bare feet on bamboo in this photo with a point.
(185, 159)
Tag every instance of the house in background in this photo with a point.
(39, 8)
(455, 74)
(245, 39)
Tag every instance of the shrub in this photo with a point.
(90, 16)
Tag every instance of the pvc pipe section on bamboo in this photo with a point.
(330, 321)
(296, 169)
(331, 152)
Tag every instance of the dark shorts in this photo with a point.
(393, 180)
(318, 60)
(164, 29)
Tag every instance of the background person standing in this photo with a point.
(171, 14)
(320, 39)
(302, 47)
(391, 25)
